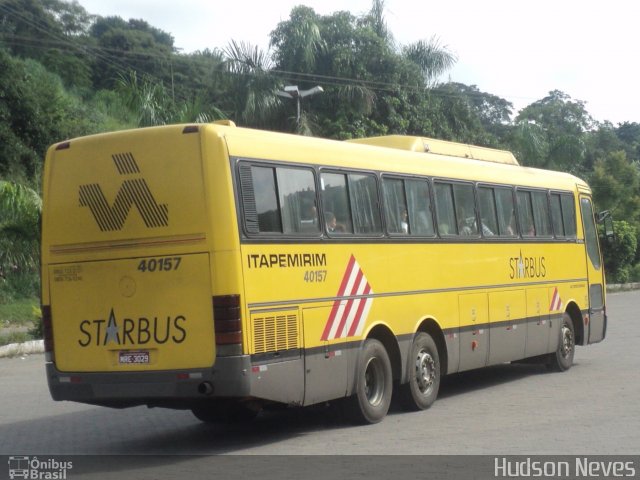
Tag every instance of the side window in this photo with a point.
(465, 209)
(568, 215)
(266, 199)
(525, 214)
(506, 212)
(445, 211)
(556, 215)
(590, 235)
(419, 203)
(363, 192)
(488, 215)
(279, 199)
(455, 209)
(335, 200)
(395, 206)
(297, 191)
(541, 214)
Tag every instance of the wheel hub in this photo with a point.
(567, 341)
(425, 371)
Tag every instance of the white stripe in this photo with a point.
(365, 314)
(336, 320)
(354, 307)
(343, 303)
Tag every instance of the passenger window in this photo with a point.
(445, 211)
(506, 212)
(419, 203)
(465, 209)
(335, 200)
(395, 206)
(455, 209)
(488, 216)
(525, 214)
(556, 215)
(541, 214)
(266, 201)
(297, 191)
(363, 193)
(279, 200)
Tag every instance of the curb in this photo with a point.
(622, 287)
(26, 348)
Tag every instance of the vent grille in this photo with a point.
(274, 333)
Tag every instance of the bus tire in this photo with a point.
(562, 359)
(423, 366)
(374, 384)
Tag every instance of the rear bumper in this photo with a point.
(229, 377)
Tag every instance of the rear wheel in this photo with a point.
(562, 359)
(372, 397)
(421, 390)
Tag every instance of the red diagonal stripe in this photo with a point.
(336, 303)
(347, 310)
(363, 303)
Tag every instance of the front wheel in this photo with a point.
(421, 390)
(372, 397)
(562, 359)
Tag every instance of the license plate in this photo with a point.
(133, 358)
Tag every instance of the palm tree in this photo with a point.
(253, 87)
(20, 209)
(432, 58)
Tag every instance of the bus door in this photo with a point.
(595, 273)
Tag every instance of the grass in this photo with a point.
(19, 320)
(23, 311)
(14, 337)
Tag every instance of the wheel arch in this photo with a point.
(384, 335)
(431, 327)
(578, 325)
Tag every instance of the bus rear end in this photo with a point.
(127, 269)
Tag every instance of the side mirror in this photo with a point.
(607, 222)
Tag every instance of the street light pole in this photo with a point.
(292, 91)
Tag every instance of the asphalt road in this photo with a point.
(594, 408)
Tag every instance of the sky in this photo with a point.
(518, 50)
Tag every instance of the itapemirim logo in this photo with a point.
(133, 192)
(35, 468)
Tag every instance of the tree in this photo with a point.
(619, 255)
(253, 89)
(134, 45)
(20, 209)
(371, 86)
(564, 123)
(35, 112)
(616, 186)
(51, 32)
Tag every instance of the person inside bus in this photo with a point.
(332, 223)
(404, 221)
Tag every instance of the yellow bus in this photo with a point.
(224, 270)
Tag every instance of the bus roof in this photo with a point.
(394, 154)
(440, 147)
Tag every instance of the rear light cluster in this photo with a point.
(227, 322)
(47, 330)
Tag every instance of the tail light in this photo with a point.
(227, 323)
(47, 330)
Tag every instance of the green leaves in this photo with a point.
(20, 209)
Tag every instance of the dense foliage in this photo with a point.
(65, 73)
